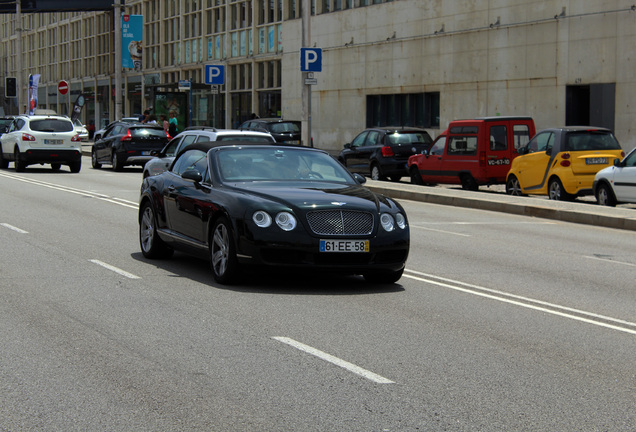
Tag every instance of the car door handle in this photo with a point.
(171, 188)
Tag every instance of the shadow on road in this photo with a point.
(264, 281)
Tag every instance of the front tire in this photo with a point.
(513, 187)
(605, 196)
(416, 178)
(225, 266)
(94, 160)
(151, 245)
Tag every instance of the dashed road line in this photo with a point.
(115, 269)
(334, 360)
(13, 228)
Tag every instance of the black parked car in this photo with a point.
(128, 144)
(274, 206)
(384, 151)
(285, 131)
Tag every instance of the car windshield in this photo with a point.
(285, 127)
(409, 138)
(5, 122)
(276, 164)
(250, 138)
(51, 125)
(591, 140)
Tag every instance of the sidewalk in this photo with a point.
(583, 211)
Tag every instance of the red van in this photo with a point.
(472, 152)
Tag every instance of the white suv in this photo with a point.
(41, 139)
(196, 134)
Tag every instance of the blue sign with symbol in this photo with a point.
(311, 59)
(215, 74)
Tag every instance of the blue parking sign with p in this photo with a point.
(215, 74)
(311, 59)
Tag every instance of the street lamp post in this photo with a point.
(306, 92)
(18, 57)
(118, 62)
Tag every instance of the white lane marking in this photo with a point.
(115, 269)
(89, 194)
(493, 223)
(334, 360)
(610, 261)
(526, 302)
(16, 229)
(440, 231)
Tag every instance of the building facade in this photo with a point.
(400, 62)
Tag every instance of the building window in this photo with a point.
(416, 110)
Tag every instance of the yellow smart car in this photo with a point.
(562, 162)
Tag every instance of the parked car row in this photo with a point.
(562, 163)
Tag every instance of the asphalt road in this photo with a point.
(502, 322)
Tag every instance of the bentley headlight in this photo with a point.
(387, 222)
(262, 219)
(401, 220)
(286, 221)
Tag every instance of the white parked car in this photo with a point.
(195, 134)
(81, 130)
(41, 139)
(617, 184)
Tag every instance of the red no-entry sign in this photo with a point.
(62, 87)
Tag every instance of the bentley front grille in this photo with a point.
(340, 222)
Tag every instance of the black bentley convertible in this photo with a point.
(273, 206)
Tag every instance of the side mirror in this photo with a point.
(360, 178)
(617, 162)
(193, 175)
(522, 150)
(548, 151)
(347, 145)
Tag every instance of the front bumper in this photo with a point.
(386, 252)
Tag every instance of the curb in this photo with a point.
(540, 207)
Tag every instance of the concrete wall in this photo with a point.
(484, 57)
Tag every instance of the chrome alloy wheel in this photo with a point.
(147, 230)
(220, 250)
